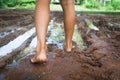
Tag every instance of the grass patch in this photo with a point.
(78, 8)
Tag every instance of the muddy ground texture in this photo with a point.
(100, 60)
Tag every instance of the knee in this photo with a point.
(66, 3)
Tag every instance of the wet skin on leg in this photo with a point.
(69, 22)
(42, 16)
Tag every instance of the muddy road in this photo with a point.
(96, 55)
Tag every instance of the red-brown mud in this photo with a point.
(100, 61)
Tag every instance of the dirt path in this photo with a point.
(99, 59)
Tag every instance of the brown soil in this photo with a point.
(100, 61)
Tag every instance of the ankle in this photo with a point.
(68, 46)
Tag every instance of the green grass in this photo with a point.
(78, 8)
(82, 9)
(102, 9)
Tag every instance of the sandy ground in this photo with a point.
(100, 60)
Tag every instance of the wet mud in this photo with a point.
(97, 58)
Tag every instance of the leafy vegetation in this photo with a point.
(17, 3)
(115, 4)
(90, 4)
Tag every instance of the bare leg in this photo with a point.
(69, 22)
(42, 15)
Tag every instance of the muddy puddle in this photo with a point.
(96, 55)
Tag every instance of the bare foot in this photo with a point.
(40, 55)
(39, 58)
(69, 47)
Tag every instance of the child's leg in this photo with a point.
(69, 22)
(42, 15)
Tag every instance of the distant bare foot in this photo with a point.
(69, 47)
(39, 59)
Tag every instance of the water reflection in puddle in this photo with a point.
(56, 36)
(78, 38)
(3, 34)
